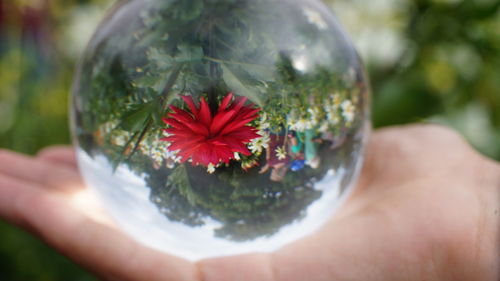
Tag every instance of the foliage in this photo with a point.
(160, 52)
(447, 71)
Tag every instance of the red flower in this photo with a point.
(208, 138)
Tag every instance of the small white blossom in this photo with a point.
(266, 139)
(263, 117)
(331, 112)
(335, 120)
(301, 125)
(177, 159)
(248, 164)
(314, 113)
(336, 99)
(120, 140)
(258, 144)
(281, 153)
(263, 122)
(292, 116)
(157, 156)
(324, 127)
(158, 151)
(255, 146)
(264, 125)
(211, 168)
(348, 110)
(237, 156)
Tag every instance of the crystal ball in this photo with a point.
(220, 127)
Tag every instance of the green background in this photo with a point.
(429, 61)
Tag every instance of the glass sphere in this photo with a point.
(220, 127)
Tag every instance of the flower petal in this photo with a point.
(189, 101)
(174, 123)
(205, 116)
(225, 102)
(180, 133)
(183, 144)
(198, 129)
(235, 125)
(236, 145)
(220, 120)
(248, 112)
(246, 133)
(181, 115)
(238, 103)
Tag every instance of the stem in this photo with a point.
(141, 137)
(225, 44)
(122, 153)
(212, 97)
(168, 86)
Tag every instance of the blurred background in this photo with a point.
(429, 61)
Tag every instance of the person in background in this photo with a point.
(277, 157)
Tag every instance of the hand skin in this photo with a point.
(426, 208)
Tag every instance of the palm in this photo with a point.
(421, 211)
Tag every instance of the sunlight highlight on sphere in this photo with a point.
(212, 128)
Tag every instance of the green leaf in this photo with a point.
(135, 119)
(188, 53)
(185, 54)
(239, 87)
(260, 73)
(158, 114)
(186, 10)
(145, 81)
(162, 60)
(161, 81)
(179, 179)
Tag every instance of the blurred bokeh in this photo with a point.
(429, 61)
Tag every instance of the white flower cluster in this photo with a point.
(120, 138)
(336, 105)
(334, 108)
(257, 145)
(117, 137)
(158, 151)
(307, 120)
(348, 111)
(264, 123)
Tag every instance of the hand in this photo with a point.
(426, 208)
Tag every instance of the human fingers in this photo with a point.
(63, 155)
(100, 248)
(40, 172)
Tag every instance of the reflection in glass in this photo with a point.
(220, 127)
